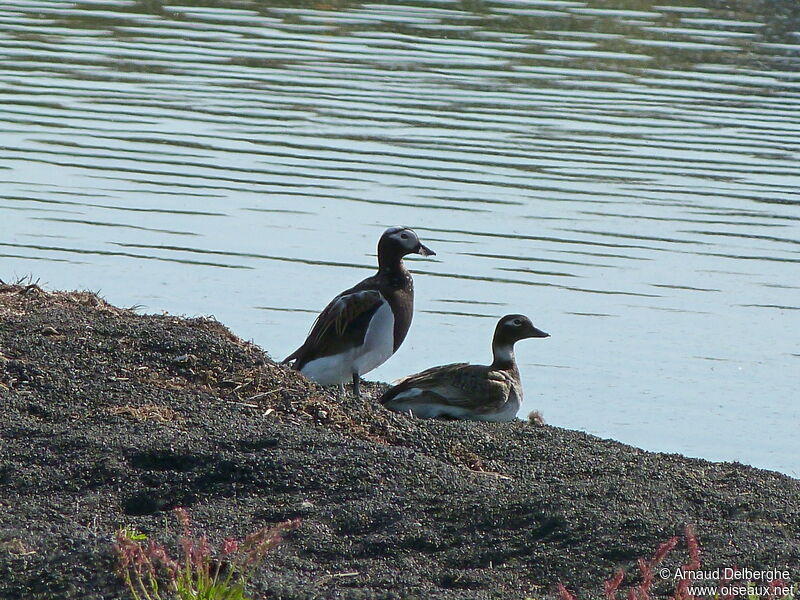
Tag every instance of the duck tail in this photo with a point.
(292, 357)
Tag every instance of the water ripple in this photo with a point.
(647, 154)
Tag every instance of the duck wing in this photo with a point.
(340, 325)
(461, 385)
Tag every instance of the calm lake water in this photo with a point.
(625, 172)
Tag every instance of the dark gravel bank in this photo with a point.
(112, 418)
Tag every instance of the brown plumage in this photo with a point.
(463, 391)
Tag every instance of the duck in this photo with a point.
(363, 327)
(469, 392)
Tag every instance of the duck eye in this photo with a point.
(517, 322)
(403, 236)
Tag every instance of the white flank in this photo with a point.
(507, 413)
(330, 370)
(407, 401)
(378, 343)
(377, 348)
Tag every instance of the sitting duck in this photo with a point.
(469, 392)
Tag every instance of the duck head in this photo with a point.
(397, 242)
(513, 328)
(510, 329)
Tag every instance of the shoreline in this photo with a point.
(113, 418)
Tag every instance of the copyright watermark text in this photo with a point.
(727, 574)
(739, 582)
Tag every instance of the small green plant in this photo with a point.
(201, 573)
(132, 533)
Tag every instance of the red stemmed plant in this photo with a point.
(201, 573)
(682, 590)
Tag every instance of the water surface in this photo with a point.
(625, 172)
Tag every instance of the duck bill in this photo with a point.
(537, 333)
(425, 251)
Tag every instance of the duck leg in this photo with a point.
(356, 385)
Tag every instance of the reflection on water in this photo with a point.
(624, 172)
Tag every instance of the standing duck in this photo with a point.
(469, 392)
(364, 325)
